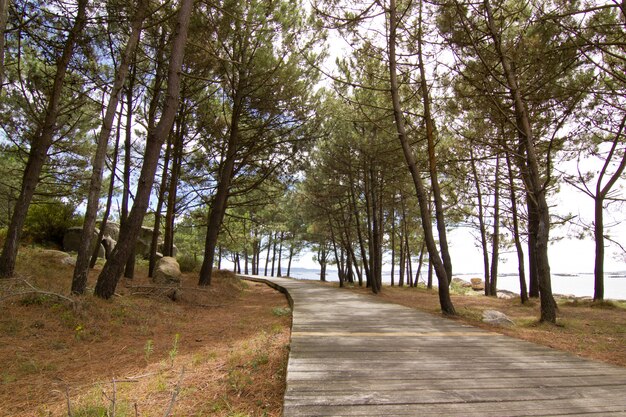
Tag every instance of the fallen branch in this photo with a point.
(35, 290)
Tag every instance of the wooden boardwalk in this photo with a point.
(354, 355)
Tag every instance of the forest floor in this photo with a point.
(219, 351)
(595, 330)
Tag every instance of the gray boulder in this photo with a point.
(142, 245)
(71, 241)
(506, 295)
(497, 318)
(108, 243)
(112, 230)
(167, 271)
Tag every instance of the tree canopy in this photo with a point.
(361, 131)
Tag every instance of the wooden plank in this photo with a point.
(356, 355)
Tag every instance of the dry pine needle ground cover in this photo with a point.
(584, 328)
(219, 351)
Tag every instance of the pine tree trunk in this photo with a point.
(481, 222)
(393, 246)
(274, 252)
(156, 229)
(218, 206)
(533, 291)
(81, 270)
(42, 140)
(432, 160)
(600, 196)
(168, 235)
(129, 269)
(280, 255)
(495, 242)
(267, 255)
(444, 292)
(536, 187)
(4, 14)
(291, 253)
(107, 281)
(107, 209)
(419, 266)
(516, 234)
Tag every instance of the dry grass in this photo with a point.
(584, 328)
(228, 339)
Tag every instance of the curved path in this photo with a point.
(354, 355)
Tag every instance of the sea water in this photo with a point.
(579, 284)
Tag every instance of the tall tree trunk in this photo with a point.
(280, 255)
(409, 265)
(168, 236)
(274, 252)
(536, 187)
(254, 253)
(350, 276)
(419, 265)
(442, 276)
(532, 247)
(156, 229)
(432, 159)
(4, 13)
(495, 241)
(481, 222)
(220, 200)
(267, 256)
(600, 196)
(129, 269)
(291, 253)
(376, 243)
(107, 209)
(321, 259)
(361, 241)
(81, 270)
(516, 234)
(107, 281)
(402, 259)
(393, 245)
(42, 140)
(429, 285)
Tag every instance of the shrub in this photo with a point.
(187, 263)
(47, 222)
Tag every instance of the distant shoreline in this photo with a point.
(567, 285)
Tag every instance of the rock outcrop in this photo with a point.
(477, 284)
(497, 318)
(167, 271)
(71, 241)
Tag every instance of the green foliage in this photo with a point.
(174, 350)
(187, 263)
(148, 349)
(46, 223)
(91, 411)
(281, 311)
(35, 300)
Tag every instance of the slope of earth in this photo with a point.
(220, 350)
